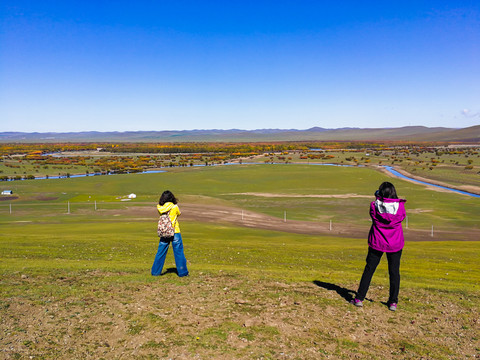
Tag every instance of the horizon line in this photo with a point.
(231, 129)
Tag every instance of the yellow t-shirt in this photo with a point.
(174, 213)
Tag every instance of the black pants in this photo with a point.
(373, 258)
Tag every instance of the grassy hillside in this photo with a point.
(78, 285)
(84, 291)
(470, 134)
(408, 133)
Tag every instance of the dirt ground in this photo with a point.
(213, 213)
(223, 316)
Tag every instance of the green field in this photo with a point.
(456, 166)
(227, 184)
(77, 285)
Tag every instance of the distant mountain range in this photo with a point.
(408, 133)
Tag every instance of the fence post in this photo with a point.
(285, 216)
(242, 215)
(95, 205)
(68, 207)
(330, 225)
(432, 230)
(10, 208)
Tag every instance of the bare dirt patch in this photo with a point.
(245, 218)
(323, 196)
(213, 213)
(46, 198)
(225, 316)
(419, 211)
(8, 198)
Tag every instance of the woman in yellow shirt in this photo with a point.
(168, 204)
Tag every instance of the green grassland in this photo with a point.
(128, 247)
(78, 285)
(455, 166)
(229, 183)
(88, 293)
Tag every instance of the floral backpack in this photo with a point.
(165, 226)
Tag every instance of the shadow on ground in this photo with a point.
(344, 293)
(170, 271)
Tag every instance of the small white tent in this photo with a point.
(132, 196)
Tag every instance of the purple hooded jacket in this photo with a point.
(386, 233)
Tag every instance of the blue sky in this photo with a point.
(174, 65)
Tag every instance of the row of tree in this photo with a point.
(35, 149)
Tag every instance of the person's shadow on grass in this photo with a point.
(170, 271)
(344, 293)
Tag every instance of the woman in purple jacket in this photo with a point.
(386, 236)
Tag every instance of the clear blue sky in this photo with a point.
(173, 65)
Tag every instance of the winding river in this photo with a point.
(388, 168)
(396, 173)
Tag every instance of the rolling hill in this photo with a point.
(409, 133)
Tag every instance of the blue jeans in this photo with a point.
(180, 260)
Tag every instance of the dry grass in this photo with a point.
(229, 316)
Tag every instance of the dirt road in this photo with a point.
(212, 213)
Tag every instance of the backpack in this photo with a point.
(165, 227)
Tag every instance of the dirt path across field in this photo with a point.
(322, 196)
(213, 213)
(246, 218)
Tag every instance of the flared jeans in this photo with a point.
(178, 254)
(373, 259)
